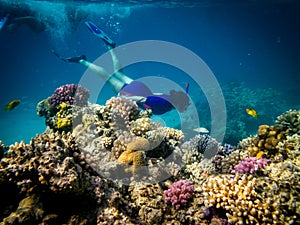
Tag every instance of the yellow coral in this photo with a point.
(141, 144)
(132, 158)
(64, 118)
(134, 154)
(248, 199)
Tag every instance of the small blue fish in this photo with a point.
(187, 85)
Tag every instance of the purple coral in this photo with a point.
(69, 94)
(178, 193)
(250, 165)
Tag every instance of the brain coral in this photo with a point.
(134, 154)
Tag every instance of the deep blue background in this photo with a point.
(252, 42)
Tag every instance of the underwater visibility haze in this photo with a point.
(66, 134)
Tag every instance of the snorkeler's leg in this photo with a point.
(117, 67)
(114, 82)
(95, 68)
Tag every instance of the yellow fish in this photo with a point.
(11, 105)
(252, 112)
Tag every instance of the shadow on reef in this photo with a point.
(74, 177)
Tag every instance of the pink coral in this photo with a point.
(178, 193)
(69, 94)
(250, 165)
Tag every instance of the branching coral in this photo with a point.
(179, 193)
(69, 94)
(289, 122)
(240, 197)
(122, 112)
(250, 165)
(142, 125)
(3, 149)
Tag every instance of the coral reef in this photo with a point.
(63, 110)
(50, 168)
(117, 166)
(179, 193)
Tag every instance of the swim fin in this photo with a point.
(99, 33)
(75, 59)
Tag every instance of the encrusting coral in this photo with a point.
(48, 165)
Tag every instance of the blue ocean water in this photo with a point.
(252, 48)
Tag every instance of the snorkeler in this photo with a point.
(10, 22)
(126, 87)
